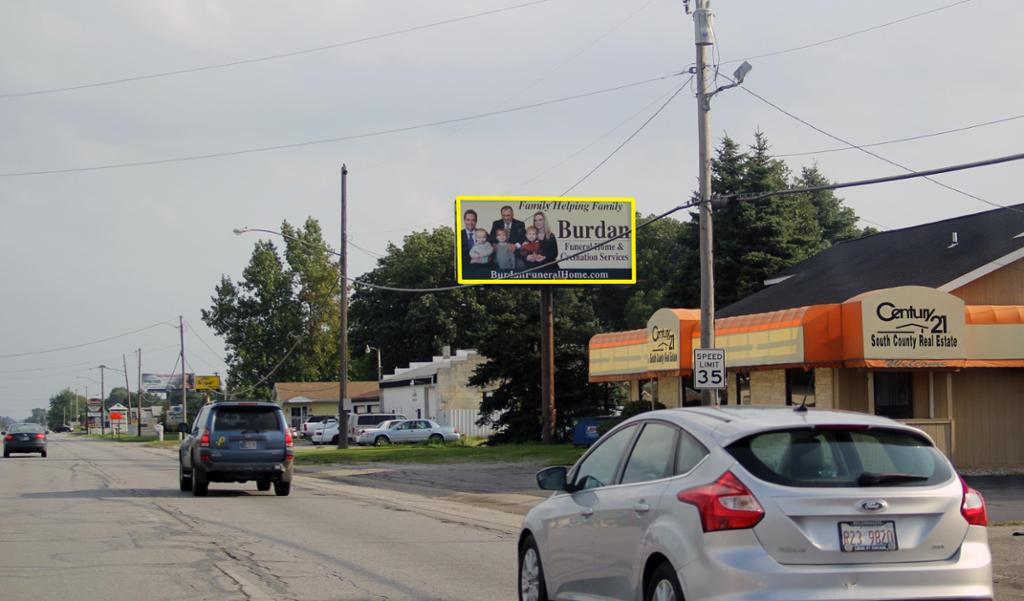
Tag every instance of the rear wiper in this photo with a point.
(873, 479)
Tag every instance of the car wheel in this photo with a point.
(42, 454)
(282, 489)
(335, 439)
(199, 484)
(263, 485)
(184, 482)
(436, 438)
(663, 585)
(382, 441)
(531, 573)
(7, 455)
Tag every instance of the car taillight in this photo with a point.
(973, 506)
(204, 440)
(725, 504)
(9, 437)
(40, 436)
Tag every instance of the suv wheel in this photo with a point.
(335, 439)
(282, 489)
(531, 573)
(263, 485)
(663, 585)
(199, 484)
(184, 482)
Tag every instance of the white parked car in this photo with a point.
(309, 426)
(327, 432)
(409, 430)
(757, 503)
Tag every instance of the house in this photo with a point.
(300, 400)
(438, 389)
(922, 324)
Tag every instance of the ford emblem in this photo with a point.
(873, 505)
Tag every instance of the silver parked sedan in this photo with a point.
(757, 503)
(408, 430)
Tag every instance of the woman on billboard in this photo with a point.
(548, 243)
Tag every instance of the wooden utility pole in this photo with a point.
(547, 366)
(343, 335)
(184, 375)
(128, 391)
(139, 393)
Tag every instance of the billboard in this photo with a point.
(165, 382)
(207, 383)
(545, 240)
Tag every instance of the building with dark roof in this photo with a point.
(922, 324)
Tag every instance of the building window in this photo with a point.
(742, 389)
(894, 394)
(800, 387)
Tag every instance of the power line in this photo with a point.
(848, 35)
(907, 139)
(74, 346)
(269, 57)
(195, 333)
(373, 134)
(15, 372)
(627, 140)
(874, 154)
(588, 146)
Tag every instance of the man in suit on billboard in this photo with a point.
(515, 229)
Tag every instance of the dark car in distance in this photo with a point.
(237, 441)
(25, 438)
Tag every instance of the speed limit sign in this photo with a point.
(709, 368)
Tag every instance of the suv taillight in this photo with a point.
(725, 504)
(973, 506)
(204, 439)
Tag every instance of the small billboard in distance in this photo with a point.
(545, 240)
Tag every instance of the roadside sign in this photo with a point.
(207, 382)
(94, 414)
(94, 404)
(116, 416)
(709, 368)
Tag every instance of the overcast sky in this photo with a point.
(87, 255)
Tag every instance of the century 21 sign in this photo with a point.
(912, 322)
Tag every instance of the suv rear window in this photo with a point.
(841, 457)
(245, 419)
(372, 420)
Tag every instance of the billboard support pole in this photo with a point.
(103, 402)
(547, 366)
(343, 334)
(139, 393)
(128, 391)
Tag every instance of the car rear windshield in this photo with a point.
(245, 419)
(829, 456)
(26, 428)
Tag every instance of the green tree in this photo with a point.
(413, 326)
(280, 320)
(62, 408)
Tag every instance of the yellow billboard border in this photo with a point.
(632, 237)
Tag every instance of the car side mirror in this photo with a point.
(46, 432)
(553, 478)
(182, 428)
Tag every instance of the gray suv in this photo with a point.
(237, 442)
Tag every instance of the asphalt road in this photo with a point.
(103, 521)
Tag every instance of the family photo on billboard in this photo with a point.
(504, 240)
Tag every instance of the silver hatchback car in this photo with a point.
(757, 503)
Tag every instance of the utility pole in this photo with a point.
(184, 377)
(128, 389)
(103, 403)
(547, 366)
(139, 393)
(343, 335)
(703, 38)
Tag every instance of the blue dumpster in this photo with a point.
(584, 430)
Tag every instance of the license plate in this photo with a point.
(867, 536)
(248, 444)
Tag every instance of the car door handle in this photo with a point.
(587, 512)
(641, 507)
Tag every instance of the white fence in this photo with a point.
(464, 420)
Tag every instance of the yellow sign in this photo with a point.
(207, 382)
(545, 240)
